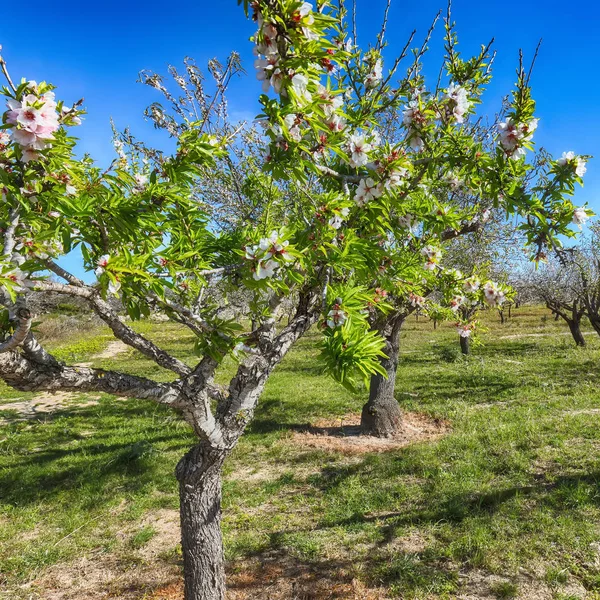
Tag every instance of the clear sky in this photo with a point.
(96, 49)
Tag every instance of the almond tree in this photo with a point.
(558, 284)
(336, 251)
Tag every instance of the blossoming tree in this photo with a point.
(341, 250)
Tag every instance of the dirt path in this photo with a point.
(48, 402)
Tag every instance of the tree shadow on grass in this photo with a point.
(111, 452)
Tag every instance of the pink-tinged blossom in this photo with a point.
(375, 76)
(101, 264)
(464, 330)
(577, 162)
(471, 285)
(34, 121)
(580, 216)
(358, 148)
(4, 194)
(416, 300)
(338, 218)
(513, 135)
(336, 317)
(4, 138)
(456, 302)
(433, 256)
(459, 101)
(492, 294)
(367, 190)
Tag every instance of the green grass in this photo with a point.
(514, 486)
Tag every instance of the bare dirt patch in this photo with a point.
(113, 349)
(277, 577)
(343, 434)
(43, 404)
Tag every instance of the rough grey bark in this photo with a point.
(199, 475)
(381, 415)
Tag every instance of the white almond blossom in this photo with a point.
(358, 147)
(367, 190)
(336, 317)
(459, 101)
(578, 162)
(456, 302)
(471, 285)
(375, 76)
(433, 256)
(101, 263)
(492, 294)
(512, 136)
(114, 287)
(338, 218)
(464, 331)
(416, 300)
(580, 216)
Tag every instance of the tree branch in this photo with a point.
(25, 374)
(125, 333)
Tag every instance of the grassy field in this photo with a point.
(505, 504)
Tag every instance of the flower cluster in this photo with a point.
(375, 75)
(513, 136)
(33, 120)
(458, 102)
(329, 104)
(413, 119)
(271, 47)
(433, 256)
(338, 217)
(471, 285)
(492, 294)
(576, 162)
(268, 255)
(416, 300)
(580, 216)
(456, 302)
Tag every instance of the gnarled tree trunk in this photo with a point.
(574, 327)
(381, 415)
(199, 475)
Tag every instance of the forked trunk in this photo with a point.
(465, 344)
(199, 475)
(381, 415)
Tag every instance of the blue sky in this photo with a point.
(95, 51)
